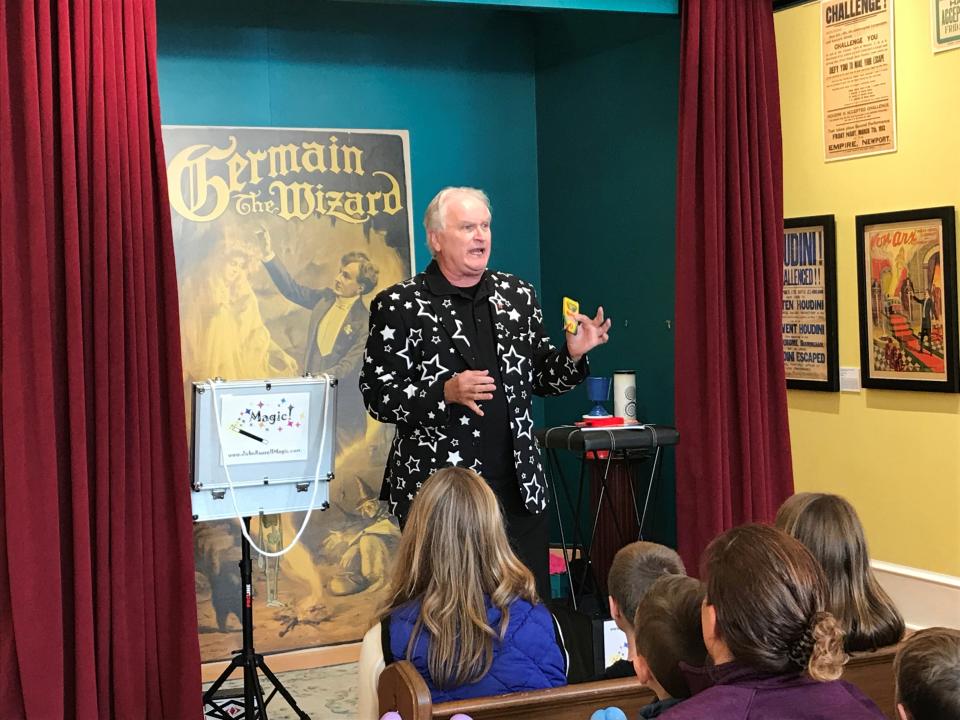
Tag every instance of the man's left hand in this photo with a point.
(590, 333)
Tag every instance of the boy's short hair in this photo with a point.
(927, 671)
(635, 568)
(668, 632)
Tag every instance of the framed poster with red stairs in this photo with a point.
(907, 281)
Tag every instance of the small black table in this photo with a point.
(601, 444)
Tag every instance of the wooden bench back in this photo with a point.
(402, 689)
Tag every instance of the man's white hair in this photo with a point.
(434, 218)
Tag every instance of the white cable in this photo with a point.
(316, 478)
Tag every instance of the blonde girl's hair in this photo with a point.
(453, 555)
(829, 527)
(770, 596)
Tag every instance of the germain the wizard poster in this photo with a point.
(282, 239)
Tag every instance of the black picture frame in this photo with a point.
(827, 262)
(906, 269)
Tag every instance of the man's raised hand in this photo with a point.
(590, 333)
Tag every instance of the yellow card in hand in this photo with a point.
(570, 308)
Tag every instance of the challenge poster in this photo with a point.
(282, 239)
(859, 113)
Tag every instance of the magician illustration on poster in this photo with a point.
(282, 238)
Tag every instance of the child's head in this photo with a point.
(667, 632)
(829, 528)
(634, 569)
(766, 605)
(927, 671)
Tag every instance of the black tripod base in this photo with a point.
(254, 702)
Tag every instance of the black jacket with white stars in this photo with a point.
(417, 342)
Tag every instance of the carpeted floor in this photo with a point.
(328, 693)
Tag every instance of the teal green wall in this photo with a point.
(622, 6)
(606, 132)
(460, 80)
(567, 119)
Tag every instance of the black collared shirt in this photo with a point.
(472, 306)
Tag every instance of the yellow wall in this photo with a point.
(895, 455)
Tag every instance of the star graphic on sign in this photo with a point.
(464, 420)
(513, 314)
(454, 458)
(525, 425)
(434, 362)
(413, 465)
(387, 332)
(512, 354)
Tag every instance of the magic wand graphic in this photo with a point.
(237, 429)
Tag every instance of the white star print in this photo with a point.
(405, 354)
(513, 354)
(387, 332)
(464, 420)
(532, 489)
(525, 425)
(410, 390)
(416, 336)
(458, 335)
(476, 433)
(400, 414)
(498, 302)
(430, 437)
(423, 311)
(513, 314)
(476, 466)
(454, 458)
(439, 370)
(394, 296)
(413, 465)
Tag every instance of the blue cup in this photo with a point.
(598, 391)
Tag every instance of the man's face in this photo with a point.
(462, 246)
(345, 285)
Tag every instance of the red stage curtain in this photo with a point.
(733, 461)
(97, 609)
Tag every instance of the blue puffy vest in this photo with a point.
(528, 658)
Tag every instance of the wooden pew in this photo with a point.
(872, 672)
(402, 689)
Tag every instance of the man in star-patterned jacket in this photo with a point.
(454, 356)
